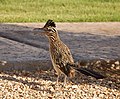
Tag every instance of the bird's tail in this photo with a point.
(89, 72)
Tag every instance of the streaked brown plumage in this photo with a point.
(61, 56)
(59, 52)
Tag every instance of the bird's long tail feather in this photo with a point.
(89, 72)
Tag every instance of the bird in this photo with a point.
(61, 56)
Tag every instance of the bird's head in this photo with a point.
(49, 29)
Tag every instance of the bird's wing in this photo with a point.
(62, 56)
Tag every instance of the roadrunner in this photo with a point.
(61, 56)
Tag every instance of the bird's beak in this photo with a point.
(38, 31)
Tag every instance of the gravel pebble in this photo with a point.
(42, 85)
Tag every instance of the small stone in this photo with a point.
(52, 89)
(75, 86)
(108, 61)
(113, 65)
(101, 95)
(3, 62)
(109, 82)
(117, 63)
(117, 67)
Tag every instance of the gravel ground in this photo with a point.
(42, 85)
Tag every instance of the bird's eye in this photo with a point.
(49, 30)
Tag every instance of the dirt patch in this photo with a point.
(98, 28)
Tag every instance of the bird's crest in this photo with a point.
(50, 23)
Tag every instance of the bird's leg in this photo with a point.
(65, 80)
(58, 79)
